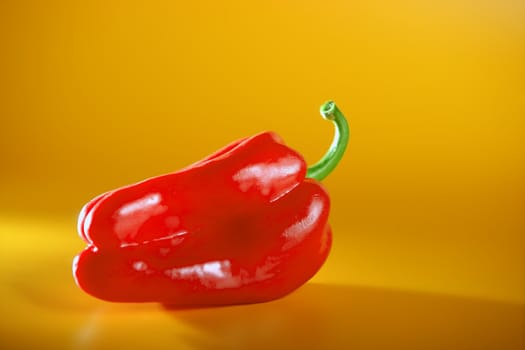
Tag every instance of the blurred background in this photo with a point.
(429, 198)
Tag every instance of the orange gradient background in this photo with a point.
(428, 203)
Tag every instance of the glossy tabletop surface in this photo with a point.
(41, 306)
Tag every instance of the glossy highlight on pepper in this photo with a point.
(247, 224)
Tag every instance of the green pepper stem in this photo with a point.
(329, 161)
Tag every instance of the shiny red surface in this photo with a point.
(240, 226)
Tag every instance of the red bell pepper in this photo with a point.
(241, 226)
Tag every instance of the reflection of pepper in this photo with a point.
(241, 226)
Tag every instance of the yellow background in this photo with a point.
(428, 203)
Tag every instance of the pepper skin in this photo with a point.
(241, 226)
